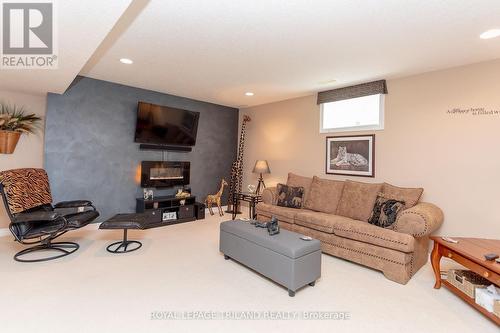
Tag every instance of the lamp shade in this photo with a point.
(261, 166)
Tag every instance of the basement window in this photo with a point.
(353, 114)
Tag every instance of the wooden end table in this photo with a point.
(252, 198)
(468, 252)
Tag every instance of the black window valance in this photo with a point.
(359, 90)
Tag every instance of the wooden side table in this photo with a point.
(468, 252)
(251, 198)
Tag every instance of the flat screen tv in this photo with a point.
(164, 125)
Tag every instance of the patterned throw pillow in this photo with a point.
(385, 211)
(290, 196)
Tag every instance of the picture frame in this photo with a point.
(350, 155)
(148, 194)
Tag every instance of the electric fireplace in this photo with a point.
(164, 174)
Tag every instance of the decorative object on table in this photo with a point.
(236, 180)
(385, 211)
(290, 196)
(14, 121)
(351, 155)
(258, 224)
(251, 188)
(273, 227)
(182, 194)
(466, 281)
(215, 199)
(260, 167)
(148, 194)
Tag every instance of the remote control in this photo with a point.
(449, 240)
(491, 256)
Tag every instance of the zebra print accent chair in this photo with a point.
(34, 220)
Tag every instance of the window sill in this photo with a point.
(352, 129)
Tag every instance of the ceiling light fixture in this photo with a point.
(327, 81)
(249, 93)
(126, 61)
(492, 33)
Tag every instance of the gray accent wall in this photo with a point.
(90, 151)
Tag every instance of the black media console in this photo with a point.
(169, 210)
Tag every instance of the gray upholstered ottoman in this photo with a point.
(284, 258)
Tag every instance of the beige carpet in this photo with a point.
(179, 268)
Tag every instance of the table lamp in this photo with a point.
(261, 166)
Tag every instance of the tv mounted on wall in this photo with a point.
(164, 125)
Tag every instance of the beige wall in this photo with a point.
(29, 150)
(455, 158)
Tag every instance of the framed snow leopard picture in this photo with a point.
(352, 155)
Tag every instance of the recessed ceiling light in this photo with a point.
(327, 81)
(249, 93)
(492, 33)
(126, 61)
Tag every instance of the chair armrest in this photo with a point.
(73, 204)
(38, 216)
(269, 196)
(420, 220)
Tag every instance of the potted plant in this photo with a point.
(14, 121)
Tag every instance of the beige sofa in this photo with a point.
(336, 213)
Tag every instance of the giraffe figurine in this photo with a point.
(236, 182)
(215, 199)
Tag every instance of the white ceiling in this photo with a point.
(279, 49)
(81, 27)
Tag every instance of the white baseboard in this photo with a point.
(4, 232)
(207, 212)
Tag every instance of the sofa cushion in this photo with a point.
(282, 213)
(409, 195)
(296, 180)
(290, 196)
(385, 211)
(319, 221)
(324, 195)
(358, 199)
(376, 256)
(371, 234)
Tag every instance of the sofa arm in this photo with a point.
(269, 196)
(420, 220)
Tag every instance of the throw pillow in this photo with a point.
(409, 195)
(290, 196)
(385, 211)
(296, 181)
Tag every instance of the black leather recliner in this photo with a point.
(28, 202)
